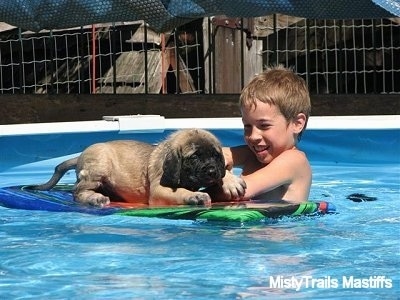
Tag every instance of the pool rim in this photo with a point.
(157, 123)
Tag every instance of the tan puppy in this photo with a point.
(171, 173)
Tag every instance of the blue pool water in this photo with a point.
(50, 255)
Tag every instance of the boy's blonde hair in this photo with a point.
(281, 87)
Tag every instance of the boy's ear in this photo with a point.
(299, 123)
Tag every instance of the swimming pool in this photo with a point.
(354, 253)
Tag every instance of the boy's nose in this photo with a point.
(254, 135)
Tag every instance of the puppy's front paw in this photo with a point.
(233, 187)
(198, 198)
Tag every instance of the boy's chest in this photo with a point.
(277, 194)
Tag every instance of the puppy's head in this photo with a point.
(194, 160)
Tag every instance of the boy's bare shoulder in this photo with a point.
(293, 157)
(294, 153)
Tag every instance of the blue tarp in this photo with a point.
(166, 14)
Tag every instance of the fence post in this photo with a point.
(93, 59)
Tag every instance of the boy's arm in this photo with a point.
(235, 156)
(290, 167)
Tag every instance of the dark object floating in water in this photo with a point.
(360, 198)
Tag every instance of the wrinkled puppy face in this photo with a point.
(202, 165)
(194, 160)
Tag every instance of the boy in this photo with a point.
(275, 108)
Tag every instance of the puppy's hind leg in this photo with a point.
(87, 190)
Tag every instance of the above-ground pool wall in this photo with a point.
(339, 140)
(352, 146)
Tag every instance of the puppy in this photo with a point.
(177, 171)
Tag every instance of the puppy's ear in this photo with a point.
(220, 160)
(171, 169)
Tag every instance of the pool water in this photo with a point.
(354, 253)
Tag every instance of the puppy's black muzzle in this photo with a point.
(211, 173)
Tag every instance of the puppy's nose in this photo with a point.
(212, 172)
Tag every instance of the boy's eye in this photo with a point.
(264, 126)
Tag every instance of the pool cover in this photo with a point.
(163, 15)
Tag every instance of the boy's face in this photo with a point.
(267, 132)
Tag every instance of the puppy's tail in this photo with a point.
(59, 172)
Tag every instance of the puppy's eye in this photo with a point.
(193, 157)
